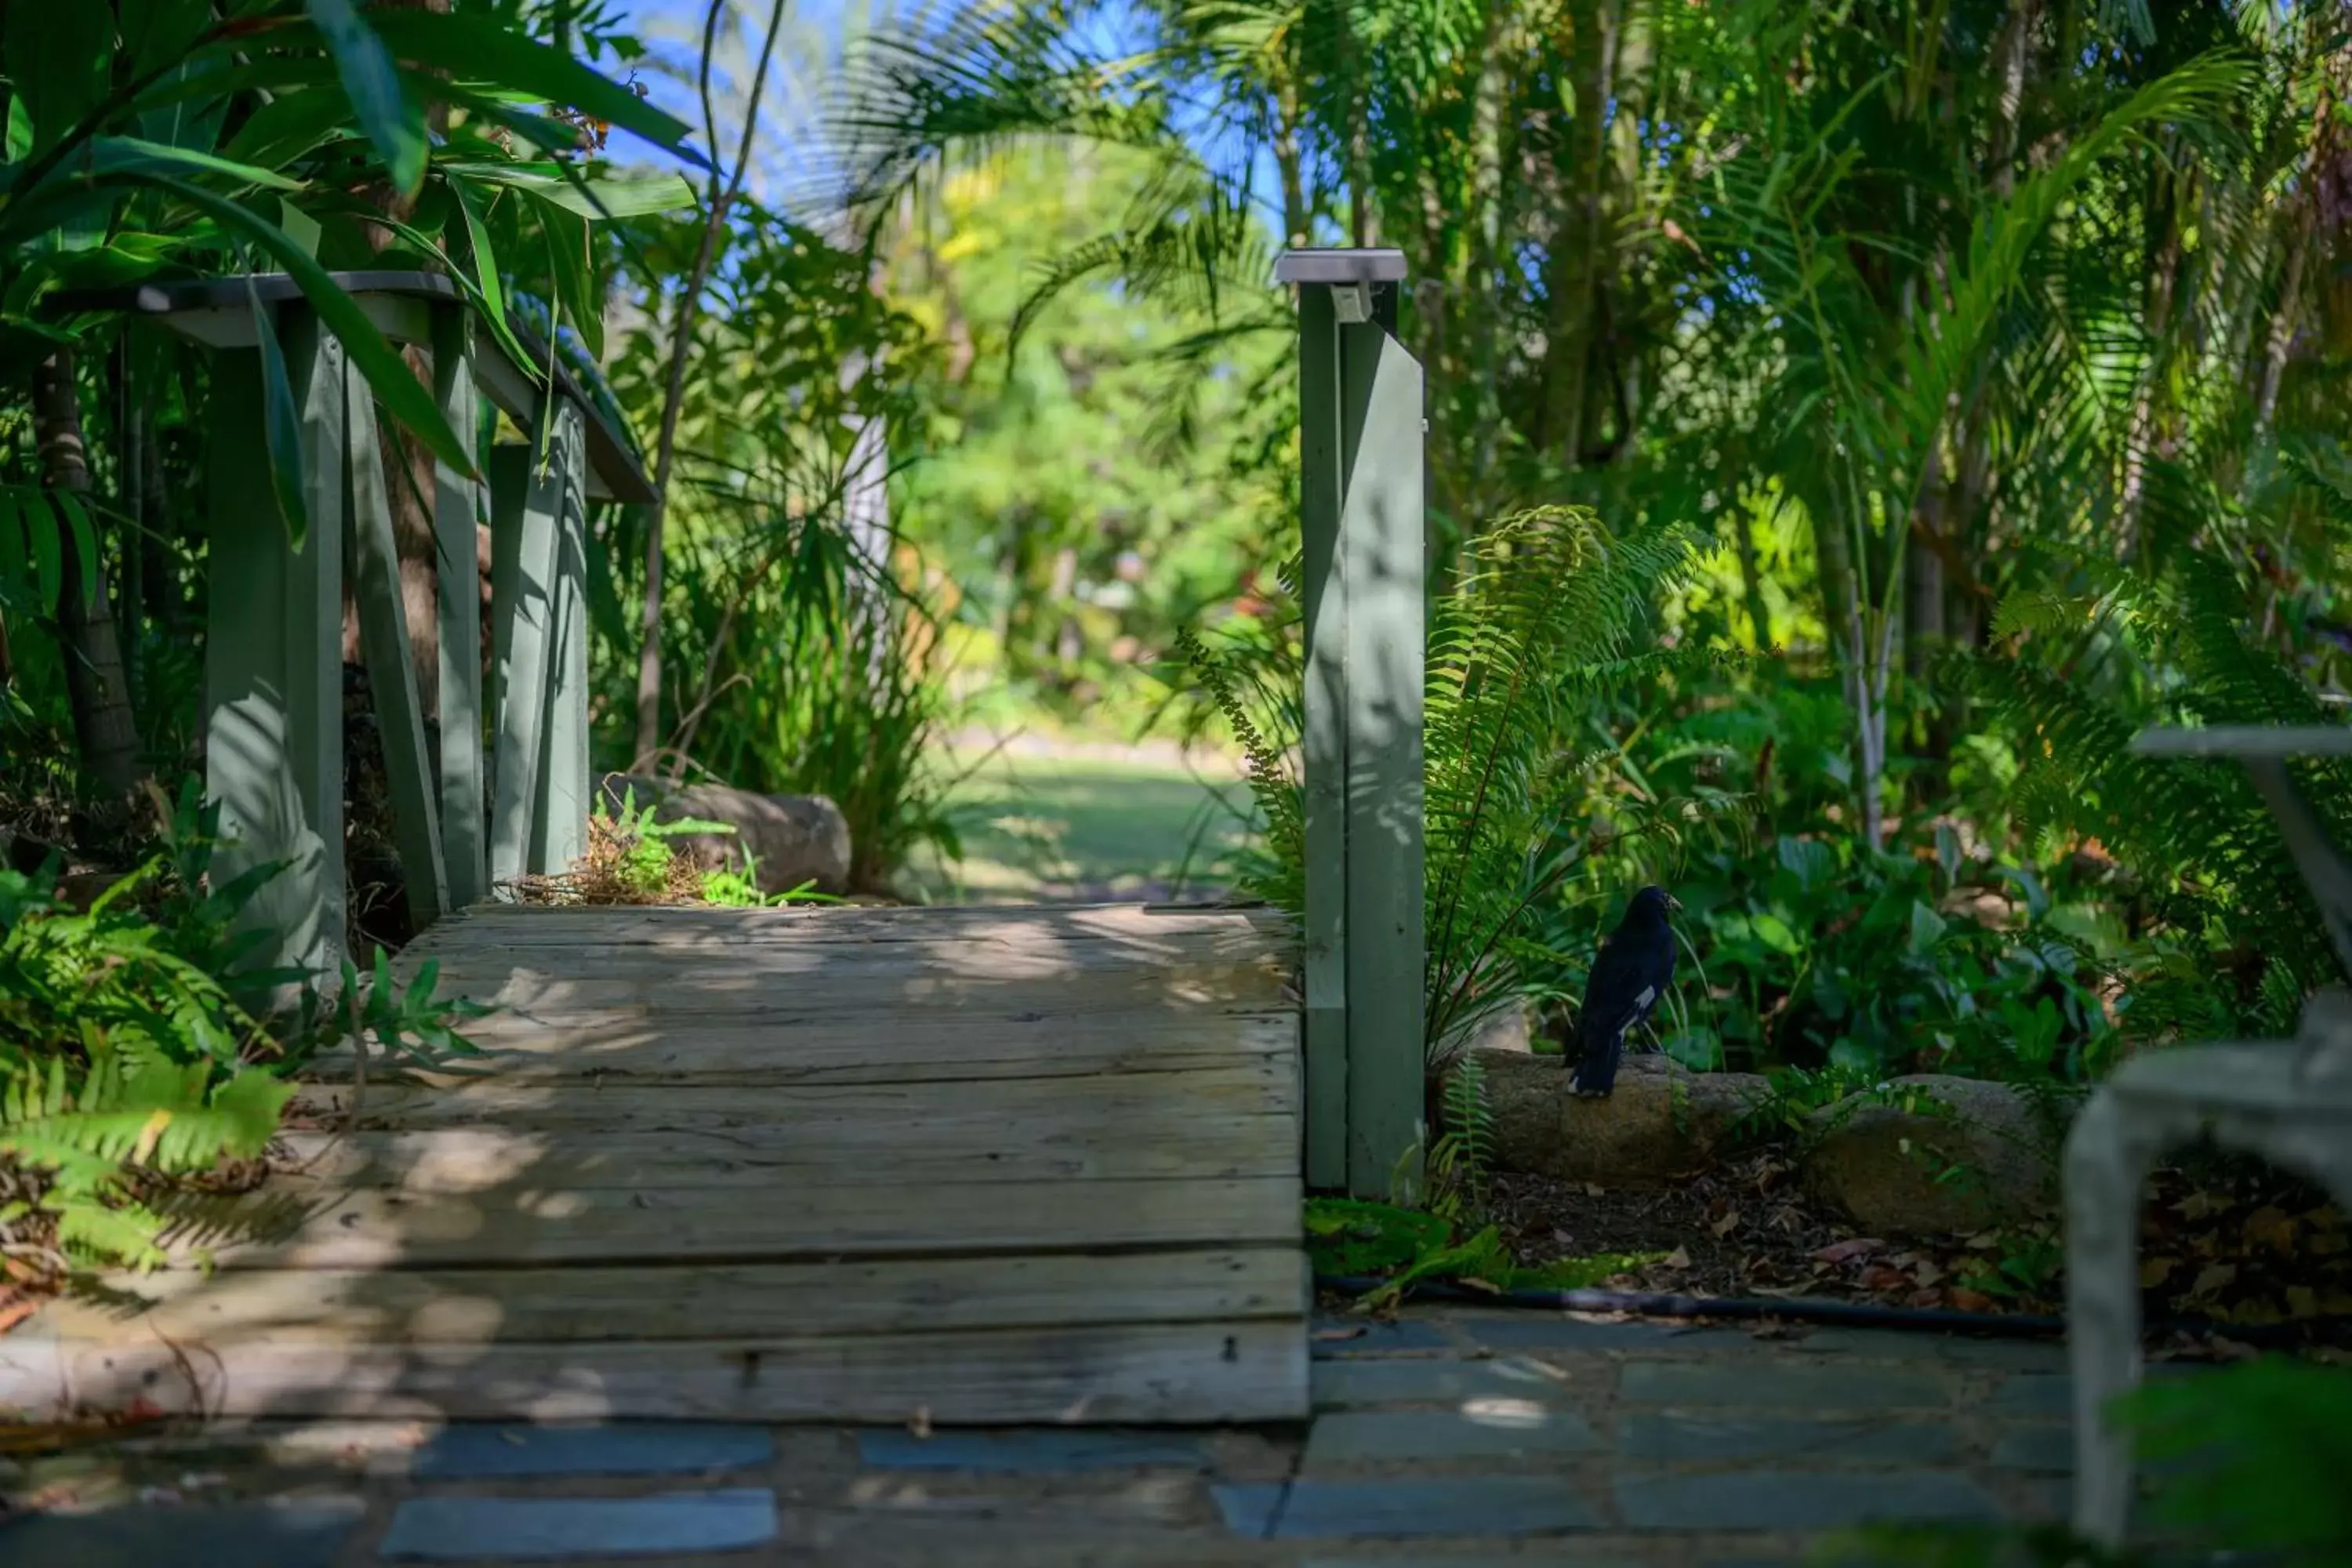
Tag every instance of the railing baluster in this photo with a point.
(456, 518)
(560, 813)
(273, 666)
(391, 672)
(1321, 484)
(523, 611)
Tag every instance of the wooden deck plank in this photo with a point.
(558, 925)
(1020, 1109)
(1141, 1374)
(766, 1158)
(728, 993)
(646, 1046)
(1007, 1165)
(771, 1221)
(755, 1301)
(1142, 967)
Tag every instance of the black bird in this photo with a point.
(1631, 971)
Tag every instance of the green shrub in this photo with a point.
(2250, 1458)
(128, 1060)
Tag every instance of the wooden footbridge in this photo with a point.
(891, 1166)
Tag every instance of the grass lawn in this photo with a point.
(1038, 826)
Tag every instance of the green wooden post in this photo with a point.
(1361, 438)
(273, 664)
(522, 616)
(560, 814)
(1319, 492)
(465, 841)
(392, 674)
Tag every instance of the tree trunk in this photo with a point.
(2163, 281)
(161, 589)
(650, 648)
(408, 470)
(131, 470)
(1751, 577)
(106, 732)
(1287, 164)
(1923, 587)
(1579, 243)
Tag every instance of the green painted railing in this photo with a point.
(1363, 526)
(508, 793)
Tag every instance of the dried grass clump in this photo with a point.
(623, 864)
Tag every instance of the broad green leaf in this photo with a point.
(395, 387)
(20, 128)
(127, 258)
(75, 519)
(542, 131)
(575, 277)
(128, 155)
(288, 125)
(1926, 928)
(1774, 932)
(486, 271)
(479, 49)
(155, 32)
(16, 590)
(613, 196)
(220, 71)
(57, 56)
(393, 121)
(282, 424)
(300, 227)
(48, 565)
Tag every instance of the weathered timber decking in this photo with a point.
(992, 1165)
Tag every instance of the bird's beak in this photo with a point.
(1673, 904)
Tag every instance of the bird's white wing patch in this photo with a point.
(1649, 994)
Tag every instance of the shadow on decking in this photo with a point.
(994, 1165)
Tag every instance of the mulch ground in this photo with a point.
(2229, 1243)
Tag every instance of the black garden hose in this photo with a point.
(1853, 1314)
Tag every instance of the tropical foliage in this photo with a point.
(1986, 351)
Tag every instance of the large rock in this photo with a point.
(794, 840)
(1960, 1154)
(1662, 1122)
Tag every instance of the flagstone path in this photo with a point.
(1445, 1439)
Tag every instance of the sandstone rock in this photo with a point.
(1504, 1029)
(794, 840)
(1880, 1164)
(1664, 1120)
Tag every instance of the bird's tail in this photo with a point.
(1594, 1074)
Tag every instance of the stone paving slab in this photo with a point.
(1473, 1506)
(2032, 1393)
(1800, 1499)
(1540, 1331)
(1443, 1440)
(2037, 1448)
(483, 1452)
(1553, 1557)
(542, 1529)
(1683, 1439)
(1350, 1383)
(1512, 1431)
(1780, 1387)
(1334, 1337)
(309, 1533)
(1031, 1452)
(1897, 1345)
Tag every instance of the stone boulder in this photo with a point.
(1965, 1154)
(1662, 1122)
(792, 840)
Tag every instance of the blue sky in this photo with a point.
(679, 23)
